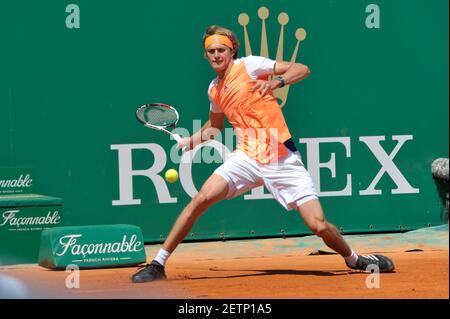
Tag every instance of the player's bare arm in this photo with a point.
(210, 129)
(290, 73)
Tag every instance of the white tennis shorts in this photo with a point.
(288, 180)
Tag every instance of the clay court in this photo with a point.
(291, 268)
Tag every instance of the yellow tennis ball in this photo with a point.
(171, 175)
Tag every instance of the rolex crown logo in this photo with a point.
(283, 19)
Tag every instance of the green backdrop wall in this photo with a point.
(375, 108)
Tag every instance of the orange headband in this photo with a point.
(218, 39)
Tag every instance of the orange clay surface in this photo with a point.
(253, 269)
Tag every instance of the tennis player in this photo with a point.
(266, 153)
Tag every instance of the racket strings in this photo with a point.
(158, 116)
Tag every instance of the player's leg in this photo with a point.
(212, 191)
(234, 177)
(314, 217)
(292, 186)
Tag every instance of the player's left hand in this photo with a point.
(262, 86)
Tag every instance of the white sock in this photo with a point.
(351, 260)
(162, 256)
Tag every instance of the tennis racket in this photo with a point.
(160, 117)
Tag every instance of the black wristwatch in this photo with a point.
(282, 81)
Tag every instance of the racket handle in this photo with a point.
(178, 138)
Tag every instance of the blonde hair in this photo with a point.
(215, 29)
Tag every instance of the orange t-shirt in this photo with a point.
(257, 120)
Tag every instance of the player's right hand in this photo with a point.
(184, 144)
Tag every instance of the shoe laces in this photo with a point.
(150, 267)
(142, 266)
(370, 258)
